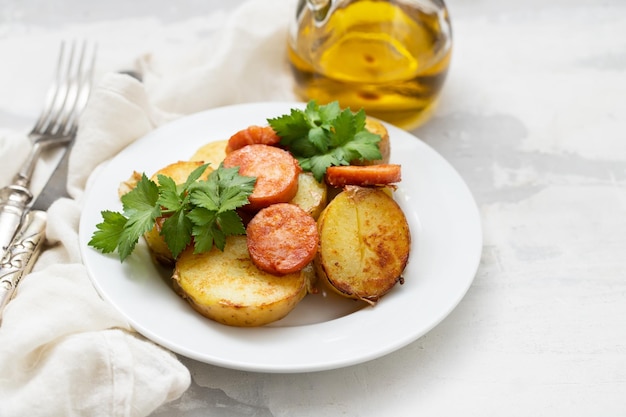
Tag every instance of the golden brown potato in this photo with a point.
(178, 171)
(384, 145)
(228, 288)
(311, 195)
(213, 153)
(364, 243)
(129, 184)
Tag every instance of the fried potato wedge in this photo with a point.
(228, 288)
(364, 243)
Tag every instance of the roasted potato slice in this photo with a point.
(129, 184)
(179, 171)
(311, 195)
(364, 243)
(228, 288)
(212, 153)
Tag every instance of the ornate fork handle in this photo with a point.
(19, 260)
(13, 202)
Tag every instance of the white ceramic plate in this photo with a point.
(323, 332)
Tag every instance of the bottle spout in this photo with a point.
(319, 8)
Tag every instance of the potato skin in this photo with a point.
(228, 288)
(364, 243)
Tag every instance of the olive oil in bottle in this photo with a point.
(388, 57)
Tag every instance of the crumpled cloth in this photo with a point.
(63, 350)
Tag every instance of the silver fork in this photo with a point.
(64, 102)
(57, 125)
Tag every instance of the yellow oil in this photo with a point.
(386, 58)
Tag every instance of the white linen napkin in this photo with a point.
(63, 350)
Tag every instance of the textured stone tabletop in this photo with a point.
(533, 117)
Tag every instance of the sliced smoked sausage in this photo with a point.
(381, 174)
(276, 173)
(252, 135)
(282, 238)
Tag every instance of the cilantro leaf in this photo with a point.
(323, 136)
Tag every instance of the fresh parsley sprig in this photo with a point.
(323, 136)
(202, 210)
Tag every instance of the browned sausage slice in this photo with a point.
(381, 174)
(282, 239)
(275, 169)
(252, 135)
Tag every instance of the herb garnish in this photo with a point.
(202, 209)
(323, 136)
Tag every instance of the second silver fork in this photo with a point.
(56, 125)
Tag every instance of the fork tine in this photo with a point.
(65, 96)
(64, 102)
(51, 94)
(69, 92)
(85, 77)
(77, 85)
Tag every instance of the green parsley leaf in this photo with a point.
(122, 231)
(327, 113)
(214, 216)
(177, 232)
(141, 208)
(323, 136)
(202, 211)
(169, 195)
(142, 198)
(109, 231)
(195, 176)
(291, 126)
